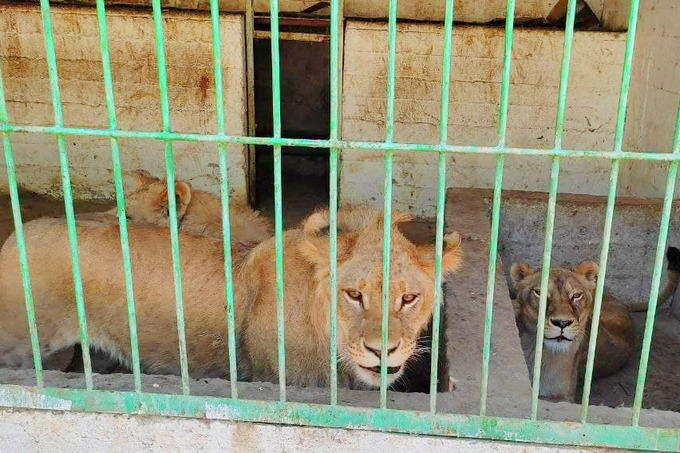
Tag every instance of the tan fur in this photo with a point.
(199, 212)
(563, 360)
(307, 299)
(104, 295)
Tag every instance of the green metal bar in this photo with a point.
(496, 208)
(336, 23)
(656, 275)
(441, 201)
(385, 305)
(387, 218)
(644, 155)
(654, 293)
(564, 75)
(609, 213)
(545, 272)
(250, 85)
(507, 64)
(278, 202)
(172, 204)
(120, 195)
(386, 420)
(490, 283)
(439, 246)
(66, 184)
(599, 288)
(224, 191)
(625, 76)
(21, 244)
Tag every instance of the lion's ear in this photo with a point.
(519, 271)
(182, 197)
(452, 254)
(316, 247)
(142, 178)
(589, 269)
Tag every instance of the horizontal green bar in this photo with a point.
(388, 420)
(341, 144)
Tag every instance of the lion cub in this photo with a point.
(567, 327)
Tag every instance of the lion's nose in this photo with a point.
(377, 351)
(561, 323)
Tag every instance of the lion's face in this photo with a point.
(149, 202)
(359, 283)
(569, 302)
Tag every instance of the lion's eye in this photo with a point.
(537, 292)
(408, 299)
(576, 297)
(354, 295)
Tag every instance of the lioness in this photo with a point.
(359, 286)
(198, 212)
(306, 272)
(567, 327)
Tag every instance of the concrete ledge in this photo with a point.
(40, 431)
(509, 389)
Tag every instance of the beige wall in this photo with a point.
(476, 71)
(465, 10)
(655, 90)
(131, 41)
(612, 13)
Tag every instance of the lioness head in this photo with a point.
(149, 202)
(569, 302)
(359, 285)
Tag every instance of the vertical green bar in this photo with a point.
(120, 194)
(507, 64)
(441, 200)
(545, 272)
(564, 75)
(599, 287)
(555, 168)
(336, 23)
(387, 218)
(278, 205)
(21, 245)
(66, 184)
(172, 204)
(496, 208)
(656, 276)
(611, 202)
(224, 191)
(250, 85)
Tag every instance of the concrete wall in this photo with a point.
(612, 13)
(39, 431)
(655, 90)
(473, 113)
(131, 41)
(577, 236)
(466, 10)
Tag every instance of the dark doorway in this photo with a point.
(305, 113)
